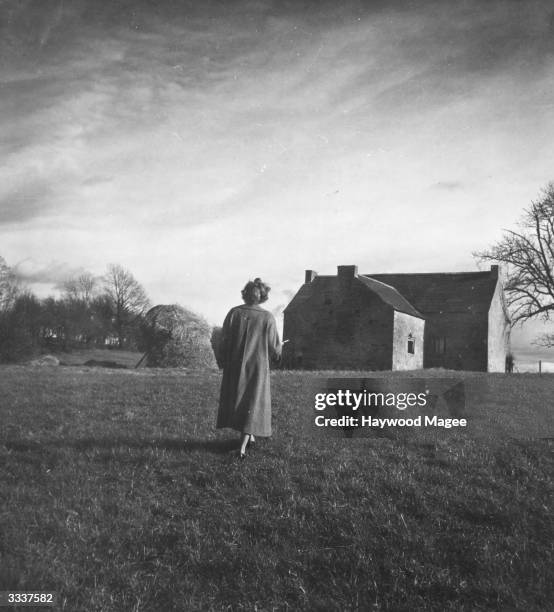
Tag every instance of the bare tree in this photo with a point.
(9, 287)
(128, 300)
(528, 258)
(83, 287)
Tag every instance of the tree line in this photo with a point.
(91, 311)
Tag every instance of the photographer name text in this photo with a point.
(368, 421)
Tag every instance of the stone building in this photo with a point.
(397, 321)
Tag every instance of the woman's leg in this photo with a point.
(244, 442)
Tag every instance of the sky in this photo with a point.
(202, 144)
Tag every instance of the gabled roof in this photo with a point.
(330, 284)
(390, 296)
(444, 292)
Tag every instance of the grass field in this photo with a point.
(80, 356)
(118, 493)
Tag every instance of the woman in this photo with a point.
(249, 340)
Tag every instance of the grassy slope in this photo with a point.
(117, 492)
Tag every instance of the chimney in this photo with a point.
(494, 271)
(347, 272)
(310, 275)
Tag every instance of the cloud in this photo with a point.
(448, 185)
(53, 272)
(97, 180)
(24, 202)
(206, 130)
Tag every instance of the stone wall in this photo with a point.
(347, 328)
(498, 333)
(406, 325)
(465, 338)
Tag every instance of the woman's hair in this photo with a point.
(255, 292)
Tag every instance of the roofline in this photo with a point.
(419, 315)
(490, 273)
(487, 272)
(407, 274)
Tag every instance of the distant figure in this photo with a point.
(509, 363)
(249, 340)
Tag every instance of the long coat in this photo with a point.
(249, 340)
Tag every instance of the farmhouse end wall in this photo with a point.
(341, 327)
(498, 333)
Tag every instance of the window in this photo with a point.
(411, 344)
(439, 345)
